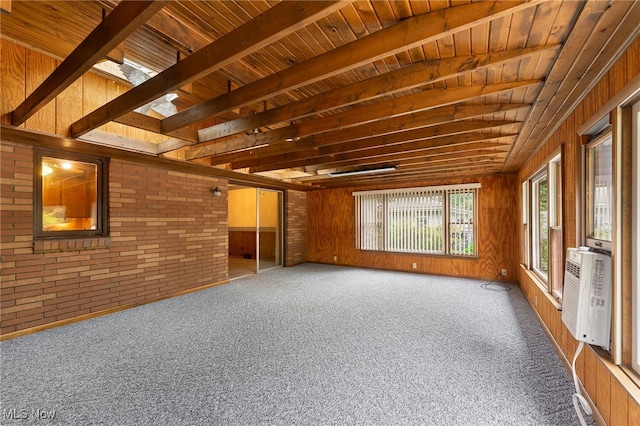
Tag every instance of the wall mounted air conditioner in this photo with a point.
(586, 301)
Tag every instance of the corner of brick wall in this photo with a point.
(296, 237)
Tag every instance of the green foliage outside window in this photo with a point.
(543, 228)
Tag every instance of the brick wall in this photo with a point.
(167, 234)
(296, 238)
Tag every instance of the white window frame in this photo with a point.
(390, 220)
(526, 245)
(592, 241)
(535, 225)
(555, 212)
(635, 240)
(530, 223)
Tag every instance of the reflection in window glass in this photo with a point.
(525, 223)
(541, 225)
(69, 195)
(600, 189)
(555, 245)
(635, 238)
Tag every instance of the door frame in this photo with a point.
(279, 230)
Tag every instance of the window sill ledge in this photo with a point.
(71, 244)
(542, 287)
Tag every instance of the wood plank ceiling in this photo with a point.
(304, 91)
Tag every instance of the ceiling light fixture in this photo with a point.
(363, 171)
(46, 169)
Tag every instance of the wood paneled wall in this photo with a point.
(23, 70)
(331, 221)
(242, 243)
(617, 398)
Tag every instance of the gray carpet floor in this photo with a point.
(308, 345)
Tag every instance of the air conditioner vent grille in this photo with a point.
(573, 268)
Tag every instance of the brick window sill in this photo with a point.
(70, 244)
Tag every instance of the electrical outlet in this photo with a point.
(503, 272)
(415, 265)
(335, 258)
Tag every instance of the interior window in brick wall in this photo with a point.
(70, 195)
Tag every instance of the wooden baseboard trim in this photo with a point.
(84, 317)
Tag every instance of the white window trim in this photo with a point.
(543, 173)
(526, 237)
(529, 212)
(635, 240)
(591, 241)
(554, 209)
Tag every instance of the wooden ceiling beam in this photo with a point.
(460, 154)
(436, 162)
(465, 170)
(275, 23)
(118, 141)
(152, 124)
(493, 162)
(428, 99)
(416, 75)
(131, 144)
(425, 100)
(405, 35)
(363, 146)
(383, 153)
(45, 140)
(5, 6)
(459, 157)
(187, 38)
(446, 116)
(486, 144)
(585, 57)
(400, 157)
(171, 144)
(113, 30)
(418, 178)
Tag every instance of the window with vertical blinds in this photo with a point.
(429, 220)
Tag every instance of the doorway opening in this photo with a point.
(255, 230)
